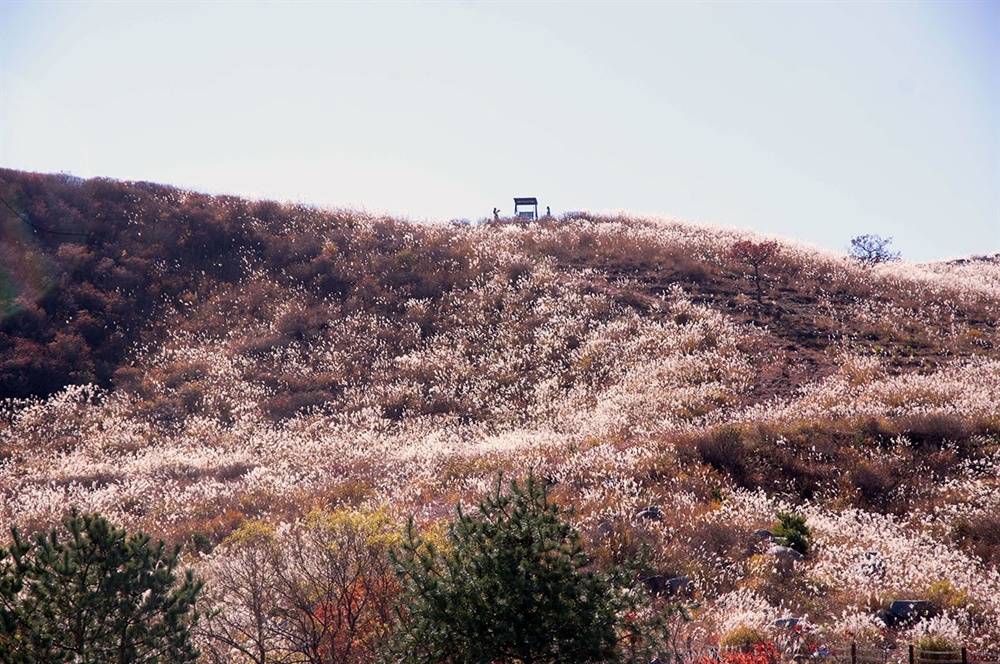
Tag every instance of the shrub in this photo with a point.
(875, 484)
(932, 647)
(742, 637)
(762, 653)
(745, 645)
(944, 595)
(936, 430)
(337, 585)
(725, 450)
(979, 535)
(793, 531)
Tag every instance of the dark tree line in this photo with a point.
(510, 583)
(85, 266)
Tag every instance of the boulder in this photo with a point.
(904, 612)
(785, 558)
(787, 623)
(885, 615)
(652, 512)
(909, 610)
(610, 525)
(784, 553)
(680, 586)
(656, 583)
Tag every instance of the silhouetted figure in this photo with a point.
(548, 211)
(496, 214)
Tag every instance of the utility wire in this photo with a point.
(25, 219)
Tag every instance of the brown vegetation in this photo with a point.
(258, 363)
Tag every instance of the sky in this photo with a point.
(808, 120)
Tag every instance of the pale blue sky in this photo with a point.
(815, 121)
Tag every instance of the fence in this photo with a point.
(846, 654)
(855, 654)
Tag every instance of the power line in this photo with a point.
(23, 217)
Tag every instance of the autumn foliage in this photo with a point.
(278, 388)
(758, 653)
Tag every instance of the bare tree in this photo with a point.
(337, 586)
(754, 254)
(872, 249)
(320, 591)
(243, 595)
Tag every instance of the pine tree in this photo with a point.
(793, 532)
(512, 584)
(10, 586)
(90, 593)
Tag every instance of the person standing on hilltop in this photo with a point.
(496, 214)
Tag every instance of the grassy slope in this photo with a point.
(255, 360)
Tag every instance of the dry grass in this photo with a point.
(336, 361)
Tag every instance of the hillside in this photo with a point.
(187, 364)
